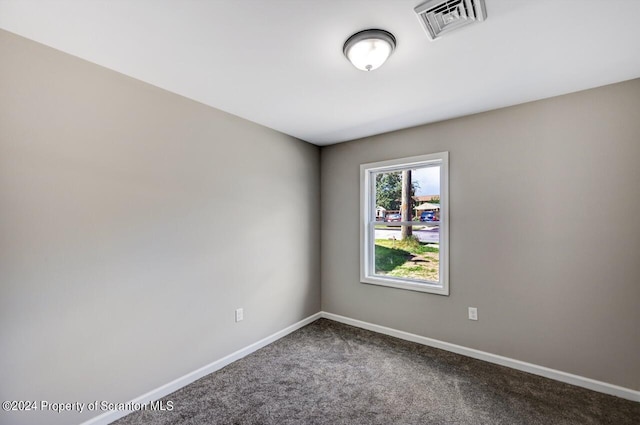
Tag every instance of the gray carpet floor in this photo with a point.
(330, 373)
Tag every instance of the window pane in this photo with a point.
(416, 256)
(409, 195)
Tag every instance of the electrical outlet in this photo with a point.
(239, 315)
(473, 313)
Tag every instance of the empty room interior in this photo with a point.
(320, 212)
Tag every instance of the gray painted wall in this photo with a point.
(545, 233)
(132, 223)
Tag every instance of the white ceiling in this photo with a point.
(279, 62)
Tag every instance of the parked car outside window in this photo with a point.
(393, 217)
(427, 216)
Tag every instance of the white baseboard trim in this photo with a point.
(557, 375)
(176, 384)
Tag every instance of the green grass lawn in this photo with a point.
(407, 258)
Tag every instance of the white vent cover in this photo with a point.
(441, 16)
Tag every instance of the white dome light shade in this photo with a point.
(369, 49)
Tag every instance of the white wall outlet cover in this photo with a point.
(239, 314)
(473, 313)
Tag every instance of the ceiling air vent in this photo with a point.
(441, 16)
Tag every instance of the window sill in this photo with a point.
(406, 284)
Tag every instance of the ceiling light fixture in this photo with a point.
(369, 49)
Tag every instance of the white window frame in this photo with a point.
(368, 216)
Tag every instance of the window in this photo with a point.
(405, 223)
